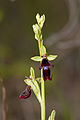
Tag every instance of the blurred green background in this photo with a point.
(61, 34)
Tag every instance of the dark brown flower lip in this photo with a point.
(45, 62)
(47, 73)
(46, 65)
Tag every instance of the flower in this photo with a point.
(26, 93)
(45, 64)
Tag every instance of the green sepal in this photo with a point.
(43, 50)
(32, 73)
(52, 116)
(51, 57)
(36, 58)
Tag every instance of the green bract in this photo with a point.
(37, 31)
(37, 58)
(32, 73)
(43, 50)
(52, 116)
(51, 57)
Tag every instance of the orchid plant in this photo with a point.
(45, 65)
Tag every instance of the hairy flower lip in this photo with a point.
(45, 65)
(45, 62)
(47, 73)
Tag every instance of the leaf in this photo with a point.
(32, 73)
(35, 87)
(43, 50)
(51, 57)
(52, 116)
(36, 58)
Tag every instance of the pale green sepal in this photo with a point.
(32, 73)
(35, 87)
(51, 57)
(52, 116)
(43, 50)
(36, 58)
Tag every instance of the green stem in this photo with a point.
(42, 89)
(43, 98)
